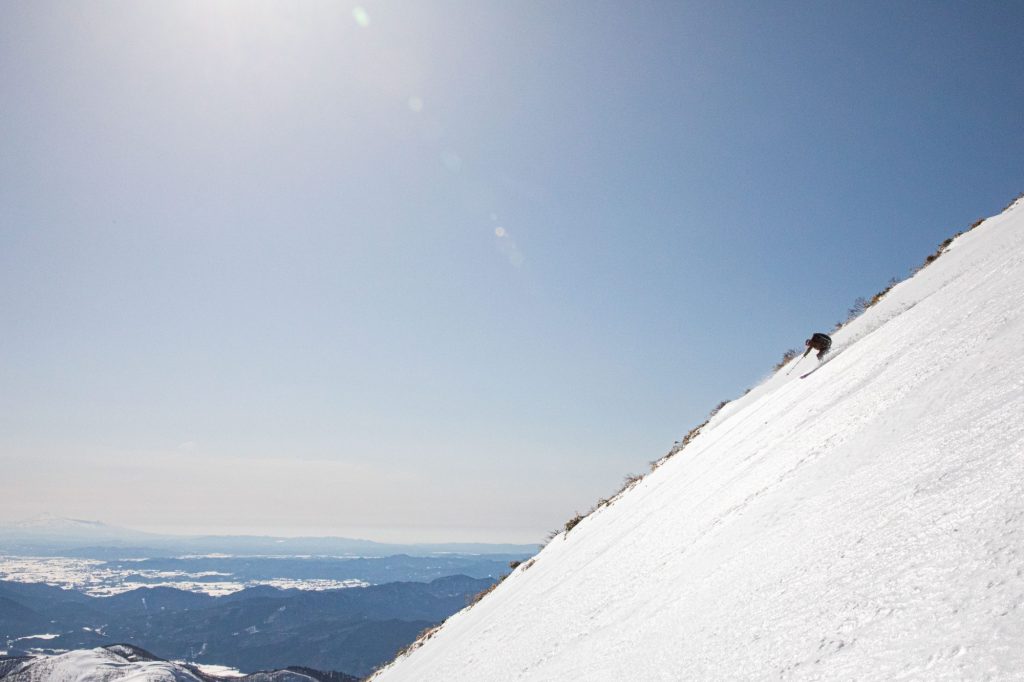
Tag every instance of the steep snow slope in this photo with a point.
(866, 522)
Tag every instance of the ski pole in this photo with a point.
(795, 364)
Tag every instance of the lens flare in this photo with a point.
(451, 161)
(416, 104)
(361, 16)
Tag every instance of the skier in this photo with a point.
(819, 342)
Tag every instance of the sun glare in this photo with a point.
(361, 16)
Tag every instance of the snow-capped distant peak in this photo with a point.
(54, 522)
(50, 527)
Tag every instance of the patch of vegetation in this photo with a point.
(932, 257)
(420, 640)
(786, 357)
(861, 305)
(857, 309)
(1009, 205)
(881, 294)
(628, 482)
(716, 409)
(475, 599)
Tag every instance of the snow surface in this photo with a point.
(866, 522)
(44, 636)
(216, 670)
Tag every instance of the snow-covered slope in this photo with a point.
(864, 522)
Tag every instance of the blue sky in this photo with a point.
(449, 270)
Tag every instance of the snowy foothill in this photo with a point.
(99, 665)
(126, 663)
(863, 522)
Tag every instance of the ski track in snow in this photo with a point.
(865, 522)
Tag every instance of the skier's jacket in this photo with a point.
(820, 341)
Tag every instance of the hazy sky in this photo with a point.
(449, 270)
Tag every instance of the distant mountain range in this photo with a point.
(49, 535)
(350, 630)
(251, 603)
(127, 662)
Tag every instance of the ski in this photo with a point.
(828, 358)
